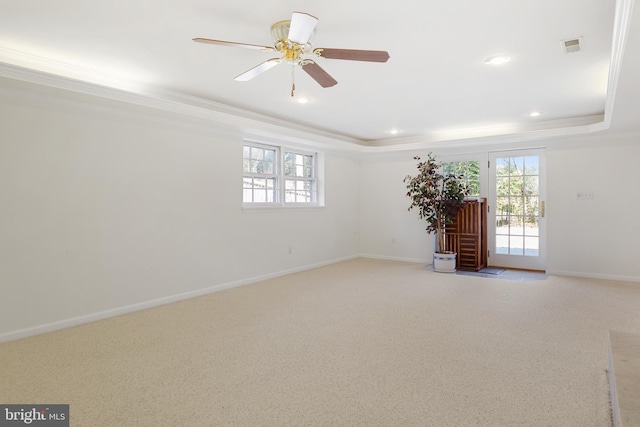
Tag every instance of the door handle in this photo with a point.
(542, 209)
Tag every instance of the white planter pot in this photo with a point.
(444, 262)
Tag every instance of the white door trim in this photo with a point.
(498, 258)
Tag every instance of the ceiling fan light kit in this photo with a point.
(280, 31)
(292, 39)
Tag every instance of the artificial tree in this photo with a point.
(437, 196)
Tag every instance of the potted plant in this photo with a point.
(437, 197)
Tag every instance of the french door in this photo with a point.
(516, 220)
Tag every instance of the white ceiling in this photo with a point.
(434, 87)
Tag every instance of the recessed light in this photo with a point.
(301, 100)
(497, 60)
(394, 131)
(535, 114)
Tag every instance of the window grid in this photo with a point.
(517, 213)
(276, 177)
(470, 171)
(299, 178)
(260, 174)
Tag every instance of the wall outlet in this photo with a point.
(584, 194)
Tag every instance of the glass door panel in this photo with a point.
(516, 223)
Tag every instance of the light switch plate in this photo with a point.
(584, 194)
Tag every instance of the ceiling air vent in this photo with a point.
(572, 45)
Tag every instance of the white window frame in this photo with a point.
(266, 176)
(310, 181)
(280, 190)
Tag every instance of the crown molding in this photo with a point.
(177, 103)
(621, 24)
(30, 68)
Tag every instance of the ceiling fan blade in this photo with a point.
(353, 54)
(258, 69)
(234, 44)
(301, 27)
(318, 74)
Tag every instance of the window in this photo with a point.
(299, 181)
(470, 171)
(278, 176)
(260, 179)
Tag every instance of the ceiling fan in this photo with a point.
(293, 40)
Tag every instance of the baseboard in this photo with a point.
(88, 318)
(594, 275)
(554, 272)
(79, 320)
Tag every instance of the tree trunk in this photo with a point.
(440, 236)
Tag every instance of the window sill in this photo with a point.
(274, 208)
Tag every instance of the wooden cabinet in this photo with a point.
(467, 235)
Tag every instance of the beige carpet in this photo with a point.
(359, 343)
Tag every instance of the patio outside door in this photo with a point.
(516, 219)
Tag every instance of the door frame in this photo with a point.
(537, 263)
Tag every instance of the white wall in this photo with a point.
(105, 206)
(387, 228)
(591, 238)
(599, 237)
